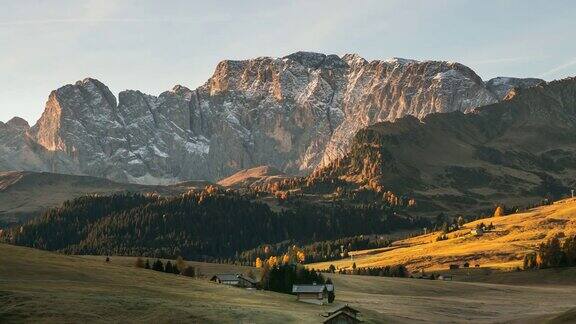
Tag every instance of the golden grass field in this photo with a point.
(504, 247)
(38, 286)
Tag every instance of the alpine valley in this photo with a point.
(413, 142)
(228, 162)
(279, 167)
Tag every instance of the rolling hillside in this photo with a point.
(38, 286)
(24, 195)
(41, 286)
(505, 246)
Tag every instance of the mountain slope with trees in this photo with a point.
(514, 152)
(212, 224)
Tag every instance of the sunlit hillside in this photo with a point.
(260, 175)
(505, 246)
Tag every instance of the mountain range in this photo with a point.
(295, 113)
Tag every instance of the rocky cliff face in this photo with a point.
(293, 113)
(386, 90)
(16, 148)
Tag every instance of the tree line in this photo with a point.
(326, 250)
(398, 270)
(553, 254)
(205, 225)
(281, 278)
(179, 267)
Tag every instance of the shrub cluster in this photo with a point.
(553, 254)
(179, 267)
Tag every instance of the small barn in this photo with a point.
(234, 279)
(341, 317)
(343, 308)
(314, 294)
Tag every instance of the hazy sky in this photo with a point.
(153, 45)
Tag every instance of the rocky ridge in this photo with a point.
(293, 113)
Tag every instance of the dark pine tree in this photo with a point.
(331, 294)
(158, 266)
(168, 268)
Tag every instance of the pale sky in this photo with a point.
(153, 45)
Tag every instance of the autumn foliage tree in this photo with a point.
(180, 264)
(272, 261)
(301, 257)
(552, 254)
(499, 211)
(189, 271)
(258, 263)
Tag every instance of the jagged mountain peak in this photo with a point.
(292, 113)
(98, 92)
(87, 81)
(354, 59)
(180, 89)
(122, 95)
(500, 86)
(307, 59)
(400, 61)
(17, 122)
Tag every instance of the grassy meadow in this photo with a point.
(38, 286)
(503, 248)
